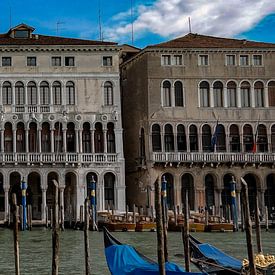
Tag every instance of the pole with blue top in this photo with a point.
(92, 186)
(24, 187)
(164, 214)
(233, 203)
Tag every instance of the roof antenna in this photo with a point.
(58, 23)
(132, 22)
(189, 23)
(99, 22)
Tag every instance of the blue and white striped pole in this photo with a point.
(24, 187)
(92, 186)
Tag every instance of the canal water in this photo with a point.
(35, 249)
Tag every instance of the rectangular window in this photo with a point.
(203, 60)
(257, 60)
(31, 61)
(166, 60)
(244, 60)
(230, 60)
(56, 61)
(21, 34)
(178, 60)
(6, 61)
(69, 61)
(107, 61)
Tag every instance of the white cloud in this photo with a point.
(169, 18)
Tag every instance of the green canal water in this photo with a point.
(35, 249)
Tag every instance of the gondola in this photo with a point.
(124, 259)
(211, 260)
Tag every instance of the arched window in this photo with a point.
(57, 97)
(247, 138)
(46, 137)
(7, 93)
(166, 87)
(206, 138)
(169, 189)
(111, 144)
(70, 93)
(86, 138)
(245, 94)
(44, 93)
(33, 143)
(32, 93)
(19, 93)
(273, 138)
(193, 138)
(221, 138)
(259, 94)
(218, 94)
(181, 138)
(204, 94)
(108, 94)
(98, 138)
(262, 144)
(178, 94)
(70, 135)
(58, 137)
(187, 185)
(234, 138)
(109, 190)
(156, 138)
(209, 192)
(271, 93)
(8, 138)
(20, 138)
(232, 94)
(168, 138)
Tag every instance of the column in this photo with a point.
(162, 141)
(105, 140)
(52, 140)
(61, 198)
(2, 141)
(44, 204)
(218, 201)
(238, 198)
(252, 96)
(92, 141)
(39, 140)
(199, 140)
(65, 140)
(239, 103)
(266, 103)
(175, 140)
(211, 97)
(261, 201)
(225, 103)
(27, 140)
(80, 141)
(7, 210)
(77, 141)
(14, 140)
(187, 139)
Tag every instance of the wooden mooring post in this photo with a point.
(185, 233)
(160, 238)
(266, 219)
(55, 232)
(164, 215)
(15, 234)
(258, 226)
(248, 227)
(29, 211)
(46, 216)
(86, 236)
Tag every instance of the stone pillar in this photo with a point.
(119, 142)
(27, 140)
(211, 97)
(252, 97)
(239, 101)
(7, 206)
(39, 140)
(238, 199)
(52, 140)
(2, 141)
(61, 198)
(261, 201)
(92, 141)
(266, 103)
(105, 140)
(218, 201)
(14, 140)
(162, 141)
(77, 141)
(44, 204)
(225, 102)
(65, 140)
(187, 139)
(80, 141)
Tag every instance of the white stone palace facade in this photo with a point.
(60, 119)
(184, 90)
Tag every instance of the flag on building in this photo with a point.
(214, 138)
(254, 148)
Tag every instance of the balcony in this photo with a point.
(206, 157)
(53, 158)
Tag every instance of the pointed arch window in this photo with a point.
(181, 138)
(168, 138)
(156, 138)
(271, 93)
(232, 94)
(20, 138)
(111, 144)
(86, 138)
(57, 97)
(193, 138)
(7, 93)
(206, 138)
(98, 138)
(46, 137)
(19, 93)
(248, 138)
(33, 143)
(58, 137)
(179, 94)
(245, 94)
(204, 94)
(8, 137)
(32, 93)
(262, 142)
(234, 138)
(221, 138)
(108, 94)
(166, 87)
(70, 135)
(259, 94)
(109, 190)
(70, 93)
(44, 93)
(218, 94)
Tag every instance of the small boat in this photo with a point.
(220, 227)
(212, 260)
(144, 226)
(124, 259)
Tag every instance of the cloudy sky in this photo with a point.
(153, 20)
